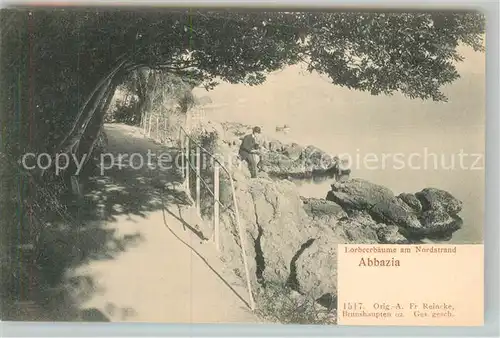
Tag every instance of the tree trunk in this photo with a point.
(80, 119)
(87, 112)
(142, 84)
(93, 129)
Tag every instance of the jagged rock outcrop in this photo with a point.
(280, 159)
(315, 268)
(295, 161)
(358, 228)
(289, 244)
(430, 213)
(411, 200)
(390, 235)
(431, 199)
(323, 211)
(292, 239)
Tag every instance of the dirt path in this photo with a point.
(163, 272)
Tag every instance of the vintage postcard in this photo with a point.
(172, 165)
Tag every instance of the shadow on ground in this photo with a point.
(48, 292)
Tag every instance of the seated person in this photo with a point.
(249, 150)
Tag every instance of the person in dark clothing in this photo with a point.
(248, 149)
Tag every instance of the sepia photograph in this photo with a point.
(198, 165)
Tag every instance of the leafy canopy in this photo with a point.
(52, 60)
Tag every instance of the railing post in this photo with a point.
(242, 243)
(188, 188)
(75, 186)
(183, 154)
(165, 131)
(216, 194)
(216, 206)
(144, 123)
(198, 174)
(150, 124)
(158, 129)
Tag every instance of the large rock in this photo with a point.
(439, 216)
(316, 268)
(292, 240)
(359, 194)
(278, 164)
(432, 199)
(390, 235)
(320, 210)
(437, 223)
(294, 161)
(378, 201)
(274, 146)
(317, 161)
(412, 201)
(293, 151)
(394, 211)
(358, 228)
(283, 225)
(284, 160)
(430, 213)
(276, 226)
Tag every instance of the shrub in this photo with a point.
(278, 302)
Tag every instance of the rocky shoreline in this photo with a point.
(293, 239)
(282, 160)
(431, 213)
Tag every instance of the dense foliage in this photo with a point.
(59, 68)
(54, 60)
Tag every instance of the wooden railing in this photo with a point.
(189, 165)
(186, 145)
